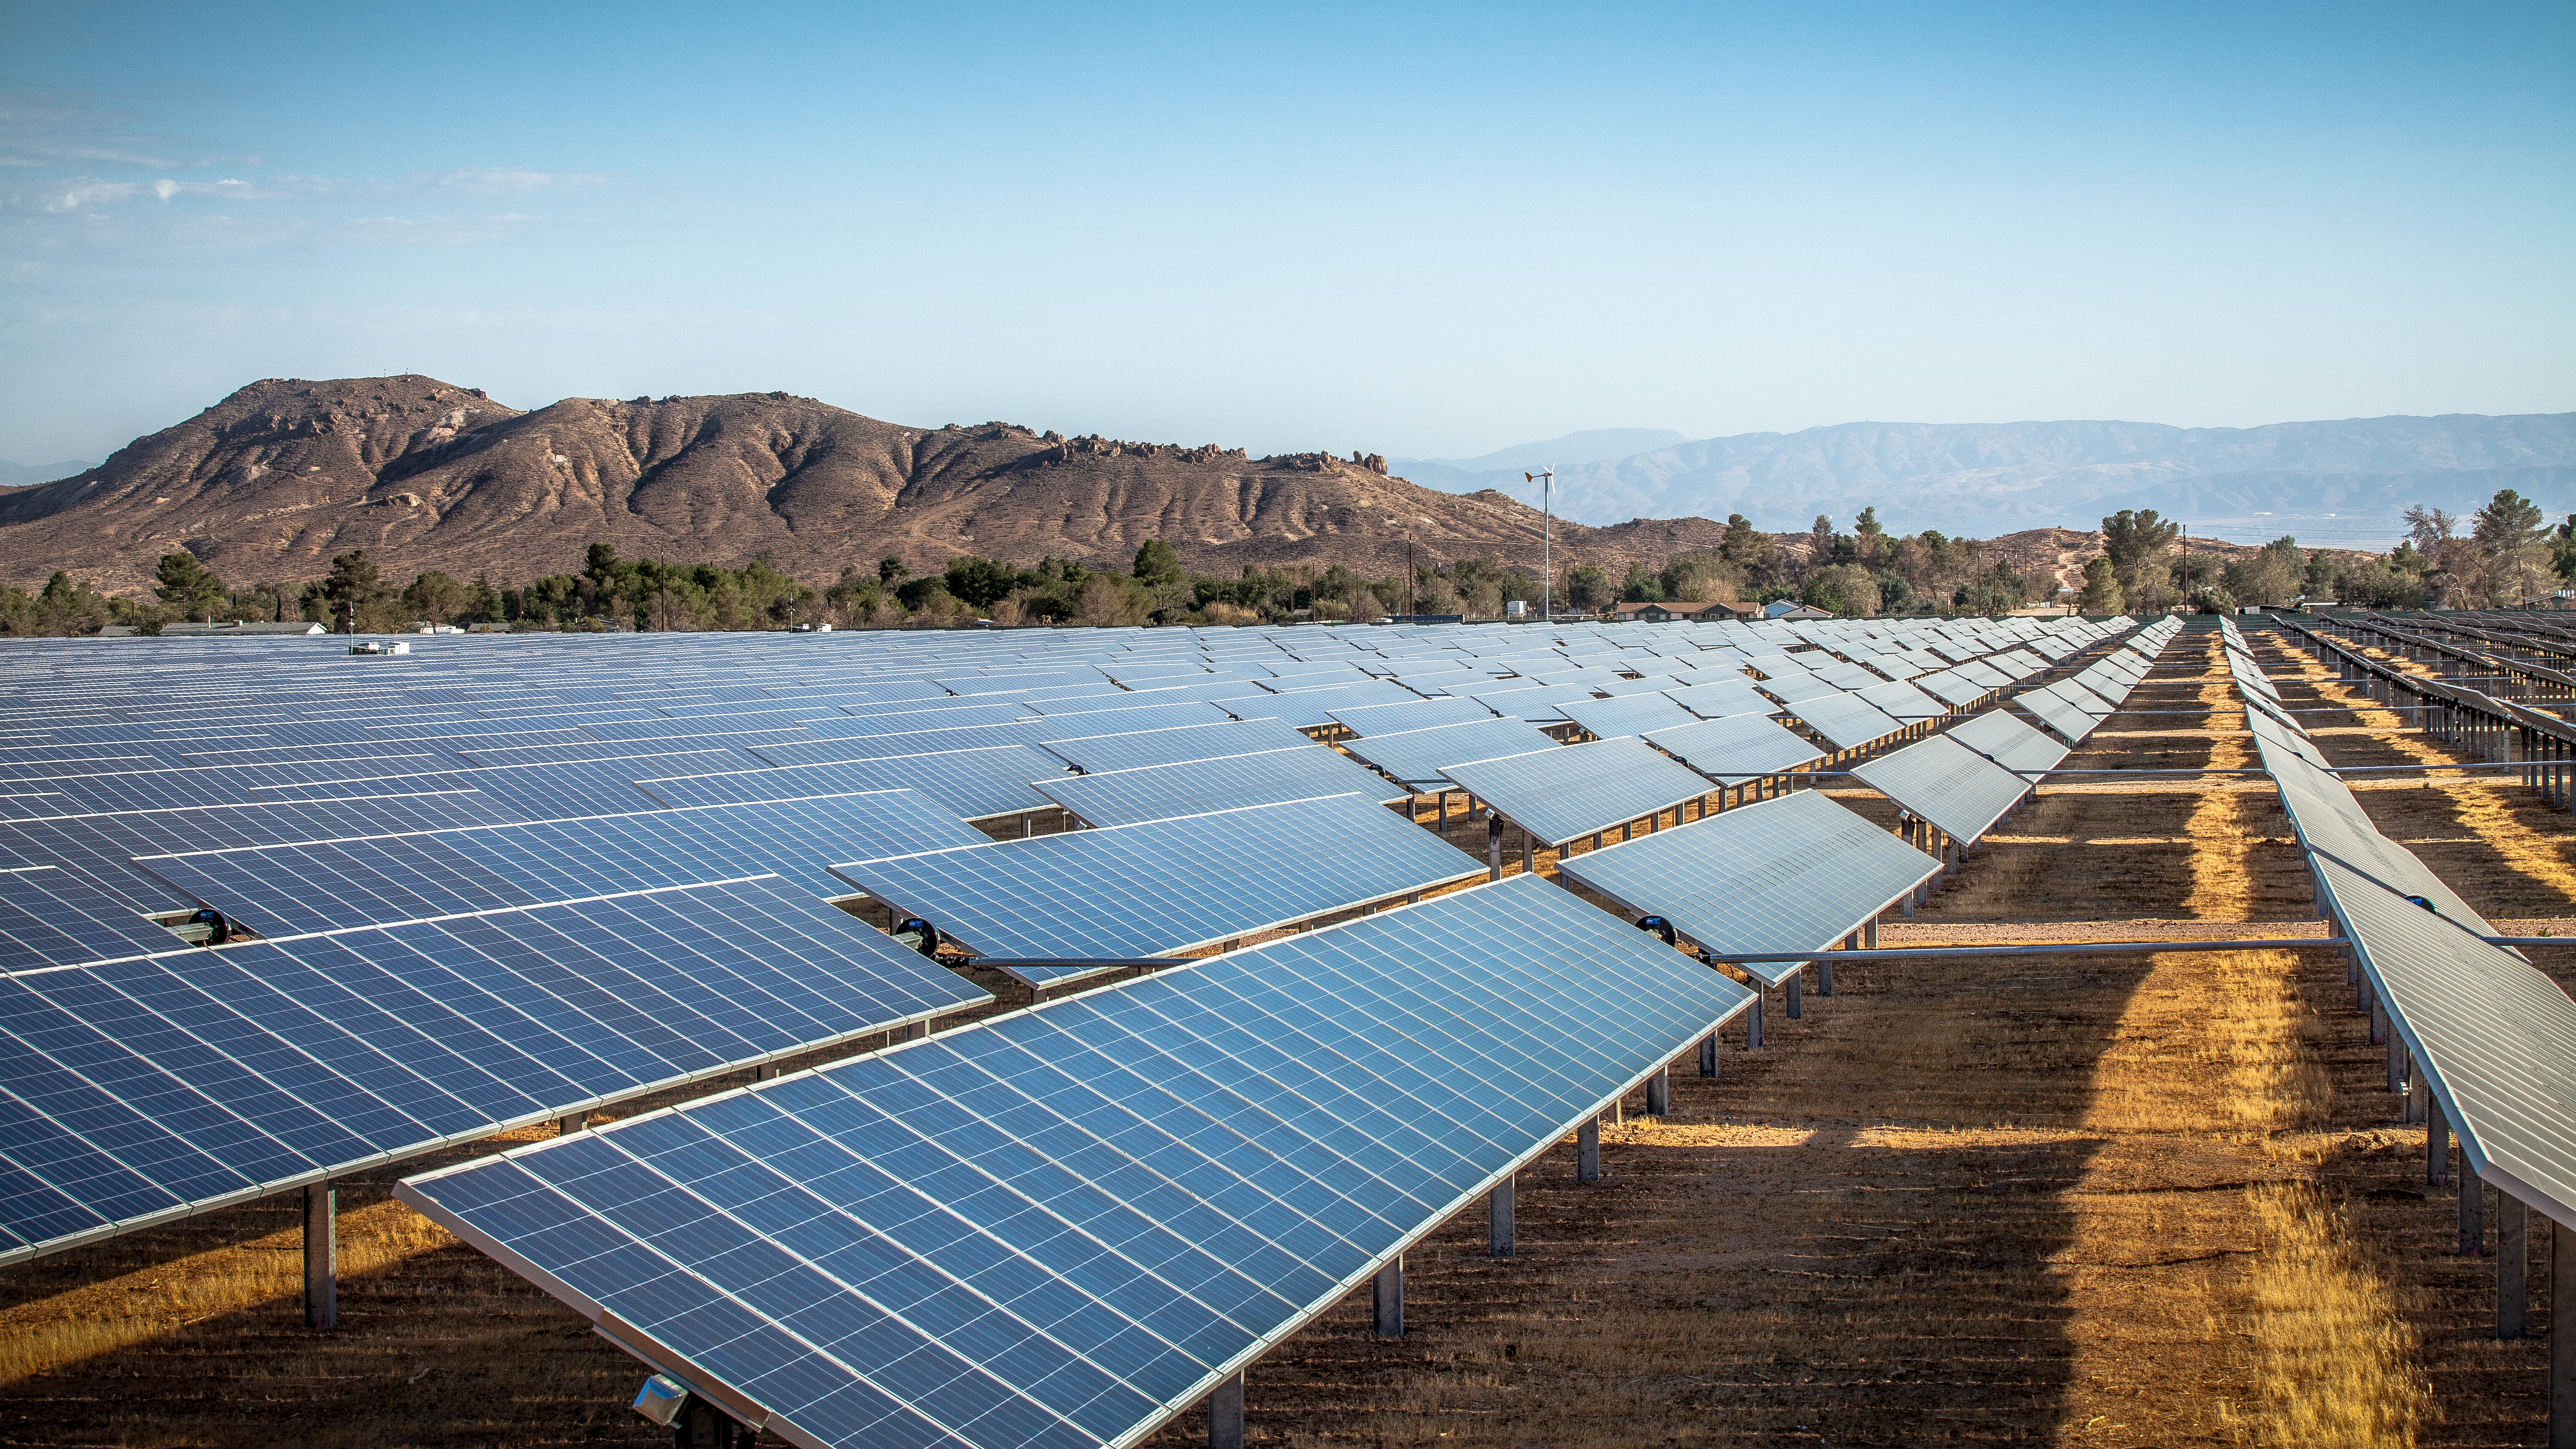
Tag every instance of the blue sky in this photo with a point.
(1421, 231)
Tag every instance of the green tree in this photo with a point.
(357, 593)
(2132, 537)
(2509, 521)
(1641, 586)
(891, 568)
(188, 586)
(1156, 563)
(1588, 589)
(1844, 589)
(2101, 587)
(437, 597)
(981, 582)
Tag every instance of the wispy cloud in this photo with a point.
(85, 130)
(516, 181)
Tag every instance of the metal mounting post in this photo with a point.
(2513, 1254)
(1587, 1151)
(1659, 1092)
(1225, 1414)
(1388, 1293)
(1498, 1218)
(321, 1256)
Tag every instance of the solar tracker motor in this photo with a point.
(1660, 927)
(205, 927)
(920, 935)
(694, 1422)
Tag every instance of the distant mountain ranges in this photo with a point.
(274, 480)
(1984, 479)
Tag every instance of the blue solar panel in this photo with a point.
(55, 917)
(1947, 783)
(1721, 698)
(1560, 794)
(332, 885)
(978, 784)
(102, 848)
(1796, 873)
(1059, 907)
(144, 1090)
(1415, 757)
(1847, 721)
(1198, 787)
(1627, 715)
(1095, 754)
(1737, 748)
(1136, 1191)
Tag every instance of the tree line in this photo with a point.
(2504, 554)
(2508, 556)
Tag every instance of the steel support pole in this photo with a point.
(321, 1256)
(1753, 1021)
(2562, 1338)
(1529, 852)
(1797, 980)
(2473, 1204)
(1389, 1296)
(566, 1126)
(1708, 1055)
(1587, 1151)
(1659, 1093)
(2513, 1261)
(2437, 1137)
(1225, 1415)
(2419, 1108)
(1498, 1219)
(1493, 847)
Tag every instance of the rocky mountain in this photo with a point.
(274, 480)
(1987, 479)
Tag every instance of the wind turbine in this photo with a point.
(1547, 540)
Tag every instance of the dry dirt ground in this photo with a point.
(2113, 1200)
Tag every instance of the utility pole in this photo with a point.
(1547, 540)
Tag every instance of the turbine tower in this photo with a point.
(1547, 540)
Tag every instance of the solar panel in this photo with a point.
(139, 1091)
(1306, 708)
(1902, 702)
(101, 848)
(1560, 794)
(1060, 907)
(977, 784)
(1144, 1188)
(1792, 688)
(1947, 783)
(1849, 677)
(333, 885)
(1631, 715)
(1720, 698)
(1421, 714)
(55, 917)
(1952, 688)
(1198, 787)
(2009, 743)
(2071, 723)
(1737, 748)
(1172, 746)
(1793, 873)
(1415, 757)
(1847, 721)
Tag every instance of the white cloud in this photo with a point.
(516, 180)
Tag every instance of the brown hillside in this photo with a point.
(275, 479)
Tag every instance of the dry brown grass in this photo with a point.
(2335, 1353)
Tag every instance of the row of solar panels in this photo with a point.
(1068, 1225)
(2494, 1037)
